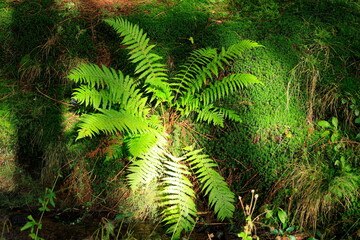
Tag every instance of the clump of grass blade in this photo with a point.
(319, 188)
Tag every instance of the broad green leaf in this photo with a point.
(324, 124)
(334, 137)
(33, 236)
(27, 226)
(335, 122)
(282, 216)
(291, 237)
(290, 229)
(357, 120)
(325, 133)
(269, 214)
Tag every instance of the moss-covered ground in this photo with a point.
(309, 66)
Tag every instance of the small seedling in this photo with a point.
(280, 217)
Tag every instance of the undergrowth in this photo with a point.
(309, 66)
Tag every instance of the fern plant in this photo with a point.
(135, 107)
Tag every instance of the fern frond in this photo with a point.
(225, 87)
(210, 114)
(237, 50)
(184, 78)
(102, 87)
(180, 210)
(91, 97)
(139, 144)
(229, 114)
(195, 79)
(147, 63)
(111, 122)
(205, 64)
(212, 183)
(147, 167)
(92, 75)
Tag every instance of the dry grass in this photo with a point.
(318, 191)
(99, 6)
(143, 204)
(7, 175)
(78, 185)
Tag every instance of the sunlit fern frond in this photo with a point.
(177, 198)
(211, 115)
(107, 87)
(184, 79)
(237, 50)
(148, 165)
(201, 103)
(205, 64)
(228, 85)
(139, 144)
(92, 75)
(212, 183)
(216, 115)
(229, 114)
(90, 96)
(199, 87)
(147, 63)
(111, 122)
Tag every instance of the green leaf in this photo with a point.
(290, 229)
(191, 39)
(43, 209)
(357, 120)
(27, 226)
(325, 133)
(335, 122)
(274, 231)
(282, 216)
(357, 112)
(30, 217)
(324, 124)
(291, 237)
(334, 137)
(269, 213)
(51, 201)
(33, 236)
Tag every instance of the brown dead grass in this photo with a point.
(93, 8)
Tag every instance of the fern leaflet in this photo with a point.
(212, 184)
(180, 210)
(111, 122)
(148, 66)
(147, 167)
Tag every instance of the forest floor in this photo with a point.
(310, 67)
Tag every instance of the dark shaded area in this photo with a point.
(37, 117)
